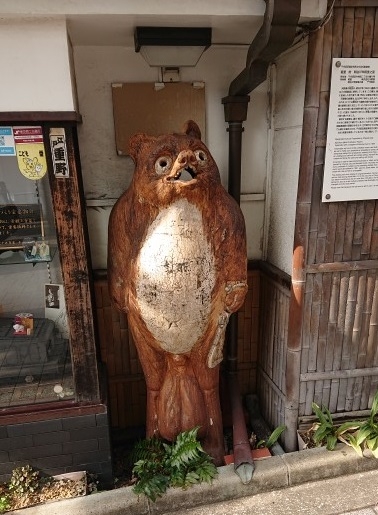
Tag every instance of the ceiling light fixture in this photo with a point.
(172, 46)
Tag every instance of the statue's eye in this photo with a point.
(163, 164)
(201, 157)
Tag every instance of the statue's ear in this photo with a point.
(135, 144)
(192, 129)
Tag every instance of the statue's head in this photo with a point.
(172, 166)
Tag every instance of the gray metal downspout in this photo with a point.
(276, 34)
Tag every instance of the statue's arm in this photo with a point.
(119, 253)
(233, 248)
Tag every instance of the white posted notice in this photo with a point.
(351, 162)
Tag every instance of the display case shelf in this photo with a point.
(17, 257)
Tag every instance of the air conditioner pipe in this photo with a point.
(276, 34)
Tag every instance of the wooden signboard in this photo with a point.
(154, 110)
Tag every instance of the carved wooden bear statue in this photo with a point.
(177, 265)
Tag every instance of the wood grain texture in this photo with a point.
(70, 220)
(177, 265)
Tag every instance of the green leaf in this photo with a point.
(362, 434)
(331, 442)
(153, 487)
(182, 463)
(374, 407)
(318, 412)
(347, 427)
(322, 432)
(275, 436)
(353, 443)
(328, 415)
(372, 443)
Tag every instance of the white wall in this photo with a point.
(288, 87)
(35, 66)
(106, 175)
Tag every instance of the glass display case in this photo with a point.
(35, 362)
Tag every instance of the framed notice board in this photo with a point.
(144, 107)
(17, 222)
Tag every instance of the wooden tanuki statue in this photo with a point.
(177, 267)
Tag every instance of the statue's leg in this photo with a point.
(154, 368)
(181, 403)
(208, 379)
(206, 362)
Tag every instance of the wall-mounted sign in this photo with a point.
(18, 222)
(351, 164)
(30, 151)
(59, 152)
(7, 146)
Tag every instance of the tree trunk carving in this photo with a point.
(177, 265)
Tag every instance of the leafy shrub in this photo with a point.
(180, 464)
(360, 435)
(4, 503)
(326, 432)
(366, 437)
(24, 480)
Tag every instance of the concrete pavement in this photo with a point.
(355, 494)
(313, 481)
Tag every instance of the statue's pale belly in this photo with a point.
(175, 277)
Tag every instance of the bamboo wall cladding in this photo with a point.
(338, 349)
(274, 318)
(126, 384)
(339, 352)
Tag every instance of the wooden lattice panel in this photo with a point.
(274, 318)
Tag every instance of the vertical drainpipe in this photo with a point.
(236, 109)
(275, 35)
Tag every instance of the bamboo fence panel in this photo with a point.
(339, 355)
(341, 344)
(271, 371)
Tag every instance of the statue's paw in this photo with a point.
(235, 294)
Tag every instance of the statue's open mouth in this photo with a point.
(183, 174)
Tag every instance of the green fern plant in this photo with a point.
(4, 503)
(180, 464)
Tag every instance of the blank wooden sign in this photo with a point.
(152, 109)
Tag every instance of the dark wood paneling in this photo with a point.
(126, 384)
(72, 235)
(39, 116)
